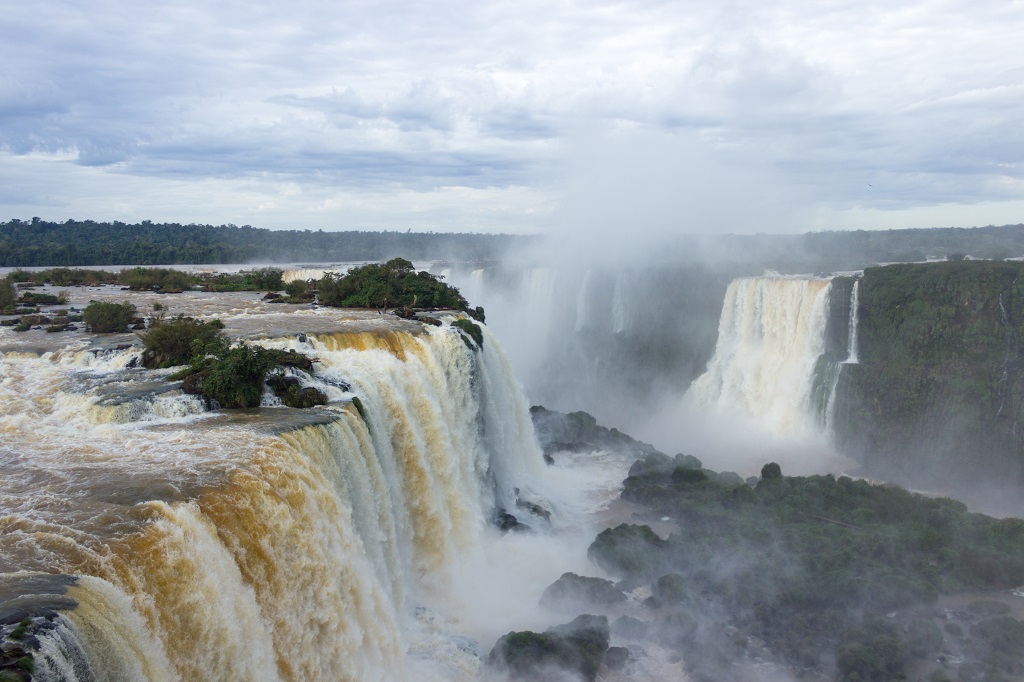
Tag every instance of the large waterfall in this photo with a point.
(770, 336)
(150, 539)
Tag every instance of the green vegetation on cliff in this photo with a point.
(939, 390)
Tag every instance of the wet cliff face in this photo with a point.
(938, 396)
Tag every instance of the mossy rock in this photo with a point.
(576, 592)
(577, 648)
(631, 551)
(471, 330)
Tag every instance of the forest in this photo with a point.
(39, 242)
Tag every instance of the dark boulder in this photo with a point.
(616, 657)
(580, 429)
(635, 552)
(578, 647)
(293, 359)
(573, 592)
(506, 522)
(628, 627)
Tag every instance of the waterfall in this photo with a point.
(770, 336)
(851, 344)
(583, 294)
(475, 289)
(270, 544)
(620, 304)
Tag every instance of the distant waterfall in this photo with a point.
(851, 345)
(770, 335)
(270, 544)
(583, 303)
(620, 304)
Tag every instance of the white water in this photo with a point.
(851, 343)
(583, 303)
(233, 553)
(620, 304)
(770, 335)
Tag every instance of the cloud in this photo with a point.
(920, 100)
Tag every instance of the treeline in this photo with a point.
(164, 280)
(43, 243)
(832, 251)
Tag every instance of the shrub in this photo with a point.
(108, 318)
(392, 284)
(235, 378)
(35, 299)
(8, 295)
(468, 328)
(180, 339)
(161, 279)
(262, 279)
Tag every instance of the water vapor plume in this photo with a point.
(626, 192)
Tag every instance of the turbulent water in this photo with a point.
(260, 544)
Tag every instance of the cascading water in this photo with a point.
(271, 544)
(620, 304)
(583, 304)
(851, 343)
(770, 336)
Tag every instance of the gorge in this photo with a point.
(145, 536)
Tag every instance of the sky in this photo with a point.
(518, 117)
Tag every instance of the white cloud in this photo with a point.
(919, 100)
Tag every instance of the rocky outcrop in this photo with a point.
(573, 592)
(580, 432)
(577, 647)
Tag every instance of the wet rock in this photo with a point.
(506, 522)
(572, 592)
(628, 627)
(575, 446)
(293, 359)
(633, 551)
(580, 427)
(616, 657)
(534, 509)
(577, 647)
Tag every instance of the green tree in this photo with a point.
(392, 284)
(181, 339)
(8, 295)
(108, 318)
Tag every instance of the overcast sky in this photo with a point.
(514, 116)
